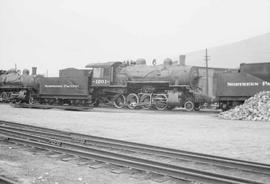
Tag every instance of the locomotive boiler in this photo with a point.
(172, 73)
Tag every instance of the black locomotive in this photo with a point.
(15, 86)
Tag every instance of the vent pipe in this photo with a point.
(34, 70)
(182, 60)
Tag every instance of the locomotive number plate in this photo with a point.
(101, 82)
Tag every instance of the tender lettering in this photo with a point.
(52, 86)
(61, 86)
(71, 86)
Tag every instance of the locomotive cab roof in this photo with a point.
(107, 64)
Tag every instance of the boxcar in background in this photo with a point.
(211, 79)
(234, 88)
(260, 70)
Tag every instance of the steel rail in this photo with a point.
(4, 180)
(131, 146)
(44, 106)
(123, 160)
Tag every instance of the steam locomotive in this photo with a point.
(15, 86)
(121, 84)
(140, 85)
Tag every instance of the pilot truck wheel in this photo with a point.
(189, 105)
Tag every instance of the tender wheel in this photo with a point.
(59, 101)
(119, 101)
(197, 107)
(160, 101)
(1, 98)
(51, 101)
(224, 107)
(95, 103)
(75, 102)
(170, 107)
(31, 100)
(4, 96)
(189, 105)
(146, 101)
(9, 95)
(132, 100)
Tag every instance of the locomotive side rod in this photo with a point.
(122, 160)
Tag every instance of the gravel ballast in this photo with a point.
(256, 108)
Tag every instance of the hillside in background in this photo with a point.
(252, 50)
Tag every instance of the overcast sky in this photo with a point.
(54, 34)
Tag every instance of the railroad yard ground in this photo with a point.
(200, 132)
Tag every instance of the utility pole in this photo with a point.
(206, 71)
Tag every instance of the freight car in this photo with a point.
(260, 70)
(233, 88)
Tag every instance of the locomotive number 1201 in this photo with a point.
(101, 81)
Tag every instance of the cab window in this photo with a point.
(98, 73)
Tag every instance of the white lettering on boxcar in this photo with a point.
(236, 84)
(265, 83)
(247, 84)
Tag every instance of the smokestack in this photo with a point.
(182, 60)
(34, 70)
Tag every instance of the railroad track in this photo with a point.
(87, 146)
(5, 180)
(46, 106)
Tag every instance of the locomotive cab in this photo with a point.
(103, 73)
(101, 76)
